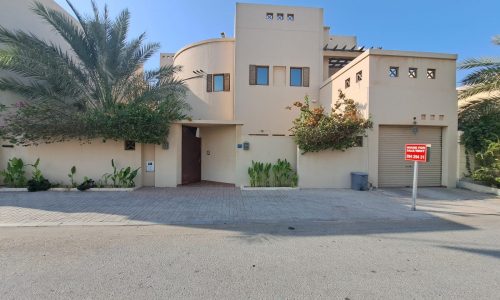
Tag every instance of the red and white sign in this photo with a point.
(416, 152)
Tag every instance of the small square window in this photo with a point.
(262, 75)
(359, 76)
(280, 16)
(290, 17)
(129, 145)
(393, 72)
(412, 72)
(347, 83)
(269, 16)
(295, 76)
(423, 116)
(359, 141)
(431, 73)
(218, 82)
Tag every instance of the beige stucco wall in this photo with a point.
(214, 56)
(92, 160)
(275, 43)
(263, 149)
(218, 153)
(331, 169)
(168, 162)
(396, 101)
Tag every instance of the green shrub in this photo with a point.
(283, 174)
(489, 165)
(280, 174)
(14, 173)
(259, 174)
(71, 176)
(123, 177)
(86, 184)
(37, 181)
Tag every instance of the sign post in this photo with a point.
(416, 153)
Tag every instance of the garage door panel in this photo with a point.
(394, 171)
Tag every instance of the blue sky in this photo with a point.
(463, 27)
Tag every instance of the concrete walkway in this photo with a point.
(225, 205)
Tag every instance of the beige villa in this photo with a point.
(239, 88)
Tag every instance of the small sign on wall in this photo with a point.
(150, 166)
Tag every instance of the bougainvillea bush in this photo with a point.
(316, 130)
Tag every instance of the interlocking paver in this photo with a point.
(221, 205)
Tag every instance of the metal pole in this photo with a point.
(415, 181)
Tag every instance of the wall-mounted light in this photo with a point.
(414, 128)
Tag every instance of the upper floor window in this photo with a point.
(359, 76)
(431, 73)
(259, 75)
(269, 16)
(393, 72)
(290, 17)
(218, 82)
(347, 83)
(295, 76)
(299, 76)
(412, 72)
(280, 16)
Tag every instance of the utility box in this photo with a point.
(359, 181)
(150, 166)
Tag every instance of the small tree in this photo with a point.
(314, 130)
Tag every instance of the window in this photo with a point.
(393, 72)
(290, 17)
(295, 76)
(359, 141)
(299, 76)
(269, 16)
(129, 145)
(431, 73)
(262, 75)
(218, 82)
(259, 75)
(359, 76)
(347, 83)
(412, 72)
(280, 16)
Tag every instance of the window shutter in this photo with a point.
(253, 75)
(226, 82)
(209, 82)
(305, 76)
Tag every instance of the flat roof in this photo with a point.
(395, 53)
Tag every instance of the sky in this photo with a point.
(463, 27)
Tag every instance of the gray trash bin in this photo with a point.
(359, 181)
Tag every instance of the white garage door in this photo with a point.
(393, 170)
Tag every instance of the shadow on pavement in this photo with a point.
(305, 212)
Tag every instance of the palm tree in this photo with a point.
(485, 79)
(479, 106)
(101, 70)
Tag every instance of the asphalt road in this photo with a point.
(427, 259)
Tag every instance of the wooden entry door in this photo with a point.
(191, 156)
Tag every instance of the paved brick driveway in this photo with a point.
(200, 205)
